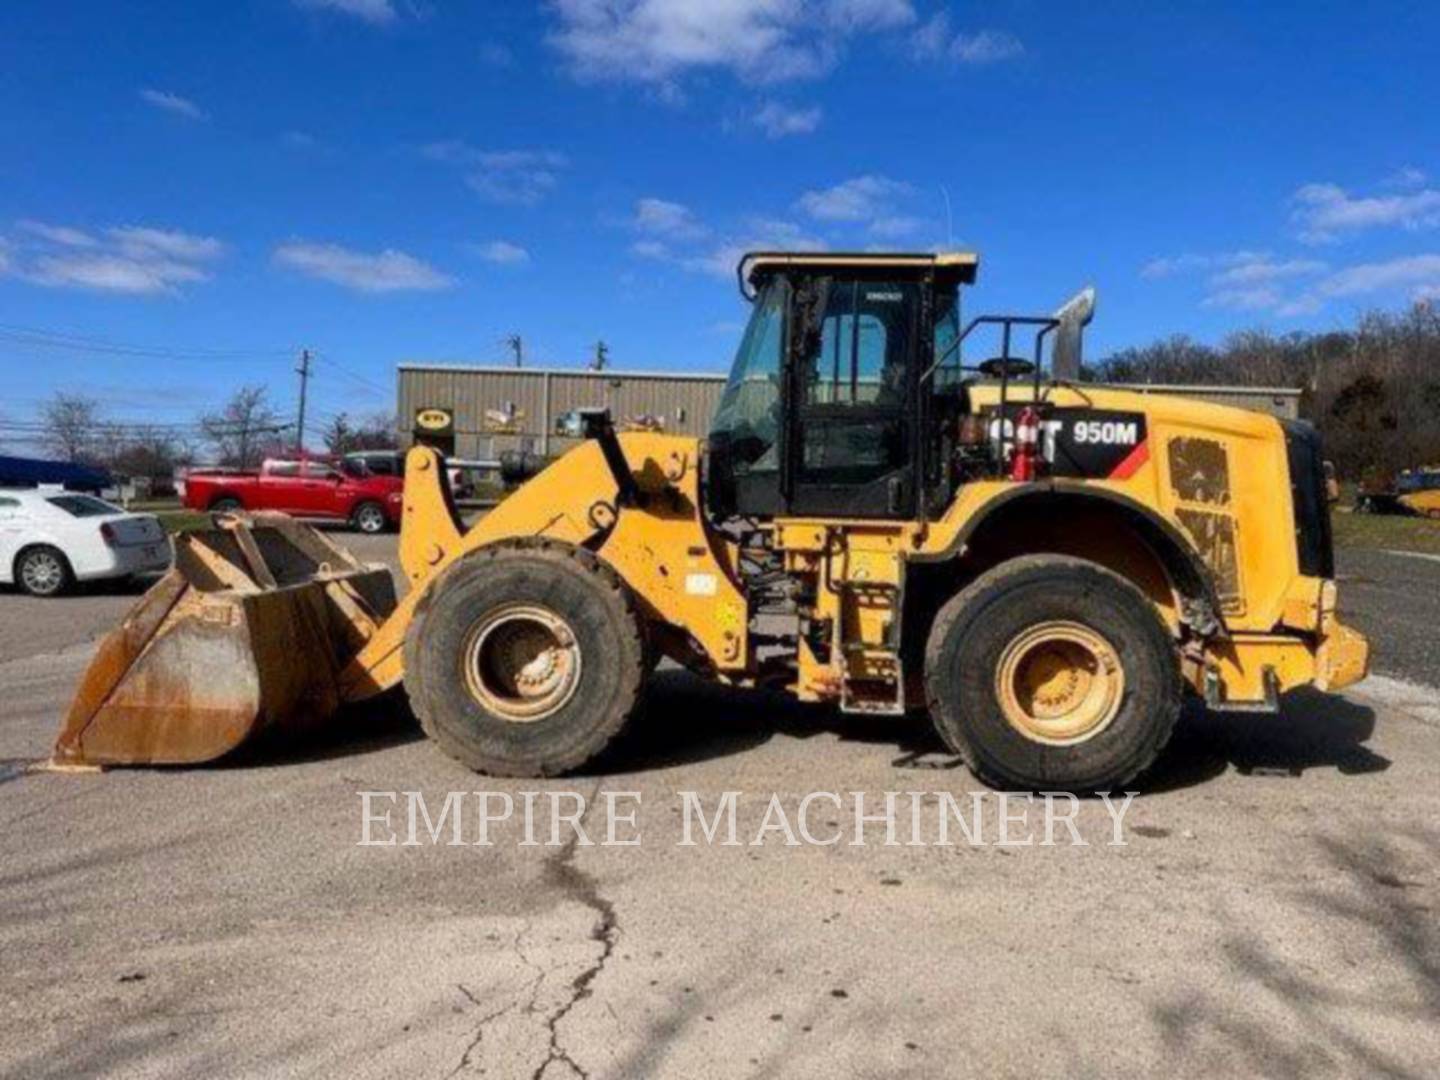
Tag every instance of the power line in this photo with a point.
(57, 340)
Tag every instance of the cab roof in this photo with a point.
(960, 266)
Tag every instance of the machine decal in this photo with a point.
(1089, 443)
(1094, 442)
(1132, 462)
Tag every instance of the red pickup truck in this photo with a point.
(310, 489)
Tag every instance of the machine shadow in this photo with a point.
(687, 721)
(1313, 731)
(377, 724)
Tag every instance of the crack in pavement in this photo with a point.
(581, 887)
(479, 1032)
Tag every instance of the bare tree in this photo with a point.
(71, 426)
(245, 429)
(375, 432)
(337, 434)
(147, 451)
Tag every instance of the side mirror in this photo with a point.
(1073, 315)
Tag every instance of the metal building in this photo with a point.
(493, 409)
(479, 412)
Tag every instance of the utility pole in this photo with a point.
(518, 347)
(304, 372)
(602, 356)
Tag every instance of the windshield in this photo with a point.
(82, 506)
(749, 410)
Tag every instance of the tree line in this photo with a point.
(1373, 391)
(242, 433)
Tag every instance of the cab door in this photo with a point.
(852, 373)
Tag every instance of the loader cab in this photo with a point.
(823, 414)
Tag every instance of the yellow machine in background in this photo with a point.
(1043, 565)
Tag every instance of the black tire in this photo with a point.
(226, 504)
(43, 570)
(369, 518)
(570, 583)
(971, 634)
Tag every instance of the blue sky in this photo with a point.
(192, 191)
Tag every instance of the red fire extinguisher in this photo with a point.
(1025, 459)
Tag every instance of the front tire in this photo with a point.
(527, 659)
(369, 518)
(1052, 673)
(226, 505)
(44, 571)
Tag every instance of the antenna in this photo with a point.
(949, 222)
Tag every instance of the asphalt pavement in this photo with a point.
(1272, 910)
(1394, 598)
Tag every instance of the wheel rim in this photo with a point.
(522, 663)
(1059, 683)
(371, 520)
(42, 572)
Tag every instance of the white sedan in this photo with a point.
(50, 539)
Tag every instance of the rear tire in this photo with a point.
(369, 518)
(43, 571)
(226, 505)
(1052, 673)
(527, 659)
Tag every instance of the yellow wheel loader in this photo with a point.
(1045, 565)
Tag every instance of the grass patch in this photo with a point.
(1392, 532)
(179, 521)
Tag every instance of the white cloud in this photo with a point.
(934, 40)
(383, 271)
(139, 241)
(777, 121)
(1172, 265)
(503, 252)
(758, 40)
(1323, 212)
(130, 259)
(674, 236)
(1255, 271)
(300, 140)
(659, 217)
(650, 249)
(1258, 298)
(172, 103)
(1407, 176)
(1419, 274)
(985, 47)
(1411, 270)
(63, 235)
(371, 11)
(756, 234)
(507, 177)
(895, 226)
(863, 198)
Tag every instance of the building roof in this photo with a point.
(608, 373)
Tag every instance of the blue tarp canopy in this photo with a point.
(31, 472)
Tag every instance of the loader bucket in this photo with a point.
(246, 634)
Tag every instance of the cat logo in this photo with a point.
(434, 421)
